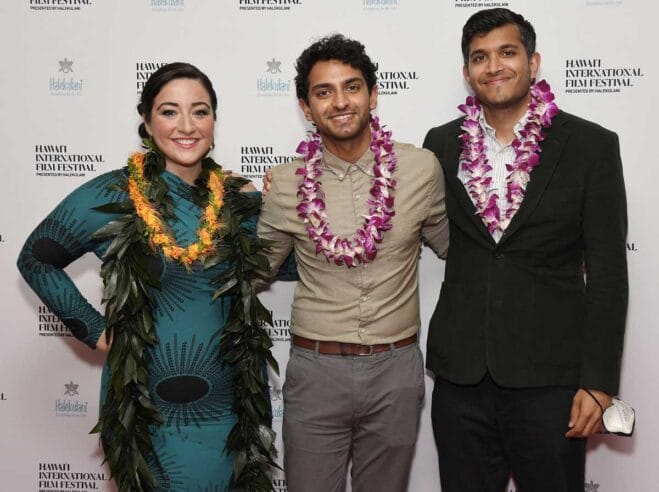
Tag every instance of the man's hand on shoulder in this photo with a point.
(267, 182)
(586, 413)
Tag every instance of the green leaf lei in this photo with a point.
(129, 409)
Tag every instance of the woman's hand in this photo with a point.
(103, 344)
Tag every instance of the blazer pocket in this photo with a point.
(457, 324)
(557, 330)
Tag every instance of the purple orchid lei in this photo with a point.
(541, 111)
(361, 248)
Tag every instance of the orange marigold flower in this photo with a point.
(161, 239)
(156, 230)
(205, 236)
(138, 159)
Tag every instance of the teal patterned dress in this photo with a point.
(190, 386)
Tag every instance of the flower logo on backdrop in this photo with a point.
(49, 325)
(144, 70)
(61, 85)
(277, 402)
(167, 5)
(66, 66)
(380, 4)
(395, 82)
(591, 487)
(273, 86)
(69, 407)
(480, 5)
(59, 477)
(592, 76)
(52, 5)
(268, 5)
(255, 160)
(71, 389)
(57, 160)
(273, 66)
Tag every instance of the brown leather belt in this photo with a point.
(342, 348)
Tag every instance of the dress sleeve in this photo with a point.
(61, 238)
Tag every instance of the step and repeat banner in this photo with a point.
(73, 70)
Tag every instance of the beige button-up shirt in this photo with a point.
(373, 303)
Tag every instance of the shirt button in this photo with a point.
(341, 176)
(364, 298)
(357, 196)
(362, 330)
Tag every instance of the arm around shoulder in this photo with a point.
(435, 229)
(274, 221)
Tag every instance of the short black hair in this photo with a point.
(161, 77)
(486, 20)
(334, 47)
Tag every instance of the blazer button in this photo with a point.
(499, 256)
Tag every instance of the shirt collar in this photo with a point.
(492, 132)
(340, 167)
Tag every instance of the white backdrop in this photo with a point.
(71, 73)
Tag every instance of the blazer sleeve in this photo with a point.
(605, 236)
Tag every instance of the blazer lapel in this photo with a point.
(452, 164)
(550, 153)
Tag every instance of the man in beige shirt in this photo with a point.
(354, 381)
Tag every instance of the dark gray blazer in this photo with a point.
(521, 309)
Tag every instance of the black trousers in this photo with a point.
(485, 433)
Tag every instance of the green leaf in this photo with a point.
(239, 463)
(128, 415)
(118, 243)
(116, 207)
(225, 288)
(123, 288)
(112, 228)
(245, 244)
(212, 260)
(260, 262)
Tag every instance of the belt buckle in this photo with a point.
(370, 350)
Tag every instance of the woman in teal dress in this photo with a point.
(188, 379)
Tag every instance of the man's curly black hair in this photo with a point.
(335, 47)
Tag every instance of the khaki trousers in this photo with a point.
(360, 408)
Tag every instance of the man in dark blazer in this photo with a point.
(527, 336)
